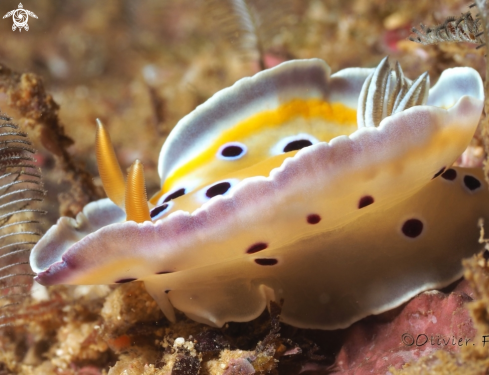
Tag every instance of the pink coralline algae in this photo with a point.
(431, 321)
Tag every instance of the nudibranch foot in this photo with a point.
(332, 296)
(271, 190)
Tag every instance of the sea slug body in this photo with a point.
(334, 193)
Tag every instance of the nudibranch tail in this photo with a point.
(136, 199)
(108, 166)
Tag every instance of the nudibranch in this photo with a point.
(332, 193)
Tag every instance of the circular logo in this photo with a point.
(20, 18)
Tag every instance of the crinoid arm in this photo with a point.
(21, 192)
(465, 28)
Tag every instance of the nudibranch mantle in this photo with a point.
(331, 193)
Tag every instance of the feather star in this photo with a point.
(334, 193)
